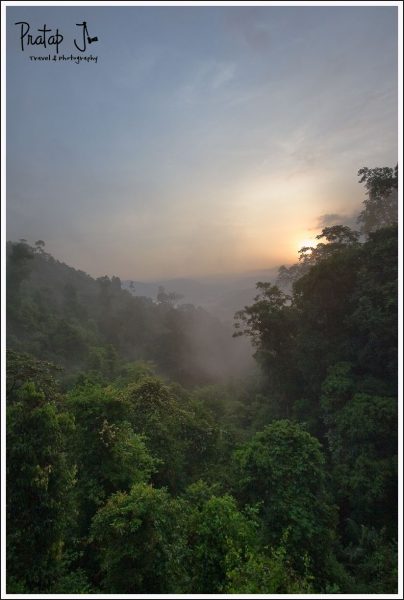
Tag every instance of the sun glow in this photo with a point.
(307, 243)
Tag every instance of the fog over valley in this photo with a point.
(202, 299)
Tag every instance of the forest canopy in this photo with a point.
(134, 468)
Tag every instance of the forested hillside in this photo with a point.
(138, 462)
(95, 326)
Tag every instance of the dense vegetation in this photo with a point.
(131, 469)
(95, 326)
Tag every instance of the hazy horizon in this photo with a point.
(206, 141)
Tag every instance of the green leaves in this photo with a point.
(381, 205)
(110, 455)
(86, 510)
(40, 482)
(283, 466)
(362, 440)
(216, 528)
(139, 540)
(268, 572)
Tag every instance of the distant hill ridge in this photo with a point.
(63, 315)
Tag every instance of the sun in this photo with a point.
(306, 243)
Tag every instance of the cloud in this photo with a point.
(208, 77)
(330, 219)
(222, 73)
(247, 25)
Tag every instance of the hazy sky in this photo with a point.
(204, 140)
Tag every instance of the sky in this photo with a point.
(204, 140)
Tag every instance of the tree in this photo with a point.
(271, 324)
(21, 367)
(68, 340)
(40, 480)
(139, 537)
(219, 537)
(167, 299)
(179, 432)
(288, 275)
(324, 300)
(375, 307)
(157, 414)
(362, 438)
(371, 556)
(39, 246)
(381, 205)
(336, 238)
(283, 468)
(20, 257)
(266, 573)
(110, 456)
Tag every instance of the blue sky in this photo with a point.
(204, 140)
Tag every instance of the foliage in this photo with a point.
(40, 480)
(177, 432)
(269, 573)
(109, 455)
(371, 556)
(381, 205)
(147, 471)
(21, 368)
(218, 536)
(283, 468)
(375, 307)
(63, 315)
(270, 322)
(362, 441)
(139, 539)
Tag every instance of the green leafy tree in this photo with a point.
(381, 205)
(22, 367)
(19, 265)
(324, 300)
(371, 556)
(283, 468)
(362, 438)
(110, 455)
(40, 481)
(271, 324)
(336, 238)
(373, 318)
(157, 414)
(139, 537)
(219, 537)
(267, 573)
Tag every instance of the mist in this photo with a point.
(202, 290)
